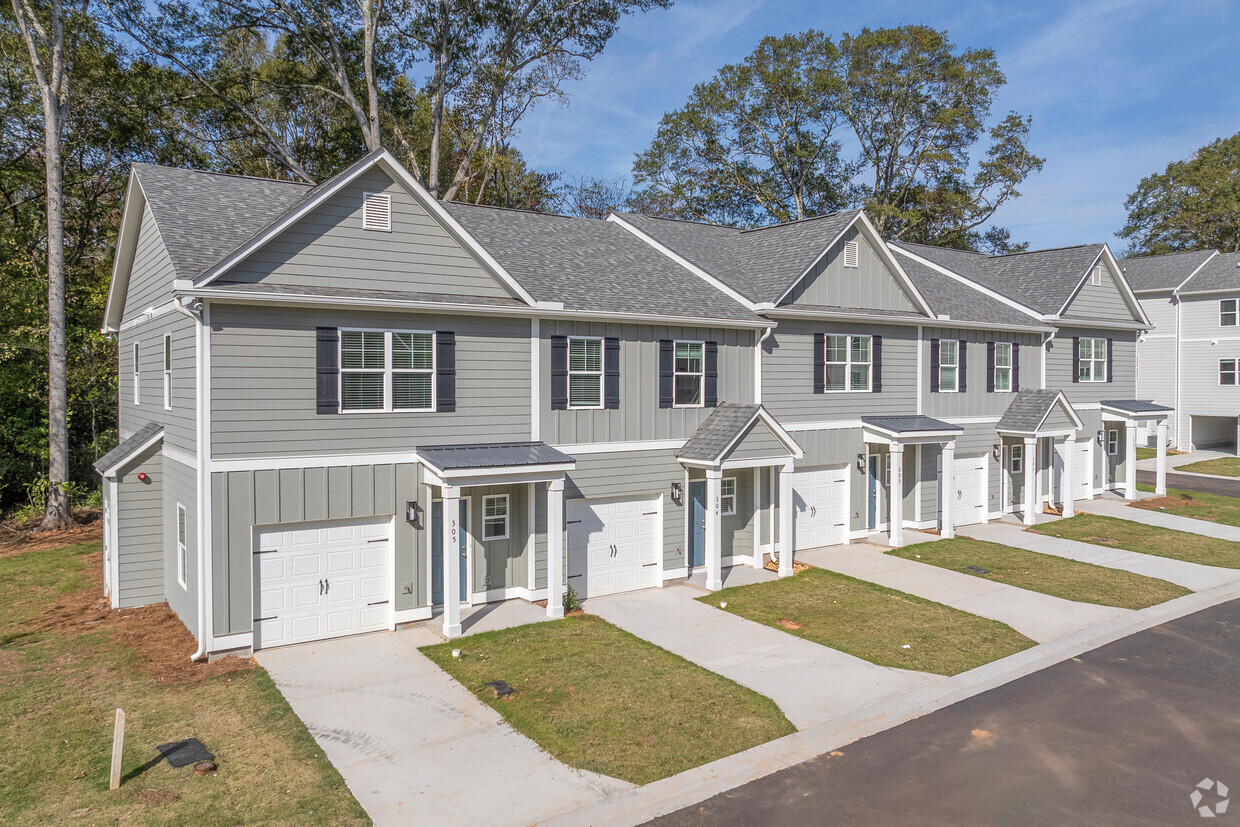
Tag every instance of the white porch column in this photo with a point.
(786, 511)
(895, 526)
(555, 548)
(1067, 481)
(757, 521)
(1031, 477)
(450, 527)
(947, 522)
(1130, 460)
(1160, 478)
(714, 525)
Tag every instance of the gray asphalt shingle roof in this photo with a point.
(950, 297)
(718, 431)
(494, 455)
(1027, 410)
(592, 265)
(361, 293)
(909, 424)
(1147, 273)
(127, 447)
(1221, 273)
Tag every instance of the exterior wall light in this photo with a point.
(861, 463)
(411, 513)
(677, 492)
(997, 449)
(1100, 436)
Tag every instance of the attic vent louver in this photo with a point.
(850, 254)
(377, 211)
(1095, 277)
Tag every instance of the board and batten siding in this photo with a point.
(150, 273)
(868, 285)
(1059, 365)
(833, 448)
(180, 422)
(639, 416)
(140, 530)
(1103, 301)
(736, 531)
(263, 385)
(788, 373)
(328, 248)
(975, 400)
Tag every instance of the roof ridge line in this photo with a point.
(798, 221)
(219, 174)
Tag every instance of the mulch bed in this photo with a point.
(797, 566)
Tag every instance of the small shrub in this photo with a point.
(572, 603)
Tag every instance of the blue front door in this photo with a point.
(697, 524)
(872, 495)
(437, 551)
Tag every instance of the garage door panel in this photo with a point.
(970, 484)
(820, 500)
(612, 545)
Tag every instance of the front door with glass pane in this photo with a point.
(437, 552)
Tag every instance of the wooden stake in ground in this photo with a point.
(118, 747)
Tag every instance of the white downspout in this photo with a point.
(757, 365)
(1050, 336)
(200, 400)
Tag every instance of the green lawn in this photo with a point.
(1213, 507)
(599, 698)
(1223, 467)
(873, 622)
(1147, 453)
(1046, 573)
(1163, 542)
(58, 696)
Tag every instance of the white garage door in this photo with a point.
(1082, 470)
(320, 580)
(969, 480)
(613, 546)
(820, 502)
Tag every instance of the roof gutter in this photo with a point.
(907, 321)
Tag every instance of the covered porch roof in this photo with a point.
(739, 436)
(110, 464)
(493, 463)
(1039, 413)
(1133, 410)
(907, 430)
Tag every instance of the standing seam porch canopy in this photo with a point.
(898, 431)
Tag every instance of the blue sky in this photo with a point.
(1117, 89)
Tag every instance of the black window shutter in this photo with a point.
(611, 373)
(876, 354)
(445, 371)
(1015, 367)
(934, 366)
(559, 373)
(1110, 358)
(1076, 358)
(667, 363)
(990, 367)
(962, 372)
(711, 396)
(820, 363)
(327, 363)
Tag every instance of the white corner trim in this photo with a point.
(178, 456)
(535, 380)
(412, 615)
(308, 461)
(226, 643)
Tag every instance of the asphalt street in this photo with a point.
(1119, 736)
(1195, 482)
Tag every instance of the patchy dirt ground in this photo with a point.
(1156, 503)
(21, 539)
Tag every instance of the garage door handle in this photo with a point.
(573, 522)
(648, 565)
(378, 603)
(649, 513)
(380, 540)
(328, 585)
(320, 588)
(267, 551)
(261, 619)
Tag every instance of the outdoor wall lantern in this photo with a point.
(677, 492)
(861, 463)
(1099, 437)
(411, 512)
(997, 448)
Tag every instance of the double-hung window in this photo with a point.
(1113, 443)
(949, 365)
(495, 517)
(1003, 367)
(1228, 313)
(847, 362)
(182, 546)
(167, 371)
(689, 374)
(727, 496)
(585, 372)
(137, 375)
(1093, 362)
(1017, 458)
(387, 370)
(1227, 373)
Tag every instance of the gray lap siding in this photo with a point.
(975, 400)
(180, 422)
(180, 488)
(1124, 363)
(140, 530)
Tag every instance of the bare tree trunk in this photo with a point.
(438, 93)
(372, 10)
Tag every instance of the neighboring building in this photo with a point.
(1191, 359)
(324, 387)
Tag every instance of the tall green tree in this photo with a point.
(1193, 204)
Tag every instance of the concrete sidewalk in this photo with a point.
(811, 683)
(1040, 617)
(1176, 460)
(1120, 509)
(1189, 575)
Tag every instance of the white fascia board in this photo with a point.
(793, 311)
(683, 262)
(126, 244)
(111, 471)
(1205, 294)
(952, 274)
(1209, 258)
(1060, 399)
(1087, 324)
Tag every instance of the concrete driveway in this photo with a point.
(413, 745)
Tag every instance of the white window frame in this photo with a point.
(1095, 275)
(1224, 313)
(487, 520)
(848, 363)
(379, 196)
(1113, 442)
(954, 344)
(1016, 459)
(602, 356)
(1234, 371)
(727, 502)
(1098, 367)
(852, 255)
(701, 375)
(137, 373)
(387, 370)
(167, 354)
(1011, 351)
(182, 530)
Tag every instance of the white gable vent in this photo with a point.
(1096, 277)
(377, 211)
(850, 254)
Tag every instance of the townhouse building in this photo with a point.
(349, 406)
